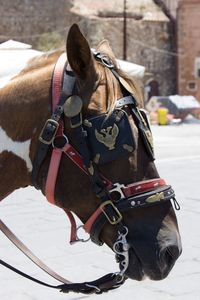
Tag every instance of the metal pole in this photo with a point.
(124, 31)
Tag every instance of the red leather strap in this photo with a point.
(75, 157)
(77, 160)
(142, 186)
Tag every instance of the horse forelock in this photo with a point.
(113, 85)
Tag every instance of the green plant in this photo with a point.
(49, 41)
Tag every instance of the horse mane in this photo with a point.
(41, 61)
(50, 57)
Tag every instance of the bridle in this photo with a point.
(101, 139)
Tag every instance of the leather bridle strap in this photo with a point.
(58, 94)
(142, 186)
(100, 217)
(103, 284)
(13, 238)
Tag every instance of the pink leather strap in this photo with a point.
(52, 175)
(57, 153)
(88, 225)
(51, 184)
(57, 79)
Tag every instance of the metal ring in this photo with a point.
(120, 277)
(65, 139)
(106, 62)
(77, 237)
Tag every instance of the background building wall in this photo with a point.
(26, 20)
(149, 43)
(188, 34)
(150, 38)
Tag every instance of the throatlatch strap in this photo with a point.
(59, 96)
(51, 125)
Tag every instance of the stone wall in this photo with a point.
(26, 20)
(149, 43)
(188, 33)
(147, 37)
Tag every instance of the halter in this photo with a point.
(87, 132)
(101, 139)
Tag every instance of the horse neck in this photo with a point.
(24, 108)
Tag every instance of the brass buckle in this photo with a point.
(115, 219)
(53, 122)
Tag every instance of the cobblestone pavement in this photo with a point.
(45, 229)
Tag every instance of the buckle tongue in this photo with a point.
(111, 212)
(48, 132)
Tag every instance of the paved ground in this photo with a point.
(44, 229)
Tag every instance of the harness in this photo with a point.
(101, 139)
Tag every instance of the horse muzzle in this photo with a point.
(149, 264)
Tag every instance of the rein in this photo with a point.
(131, 196)
(103, 284)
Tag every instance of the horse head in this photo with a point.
(153, 236)
(120, 188)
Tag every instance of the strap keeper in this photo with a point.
(76, 121)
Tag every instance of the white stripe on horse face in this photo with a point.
(20, 149)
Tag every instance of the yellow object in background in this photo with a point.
(162, 116)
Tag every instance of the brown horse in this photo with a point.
(25, 104)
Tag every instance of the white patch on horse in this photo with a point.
(168, 236)
(20, 149)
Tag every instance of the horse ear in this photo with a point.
(78, 52)
(104, 47)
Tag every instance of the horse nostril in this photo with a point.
(170, 254)
(173, 251)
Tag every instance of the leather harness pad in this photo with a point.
(109, 136)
